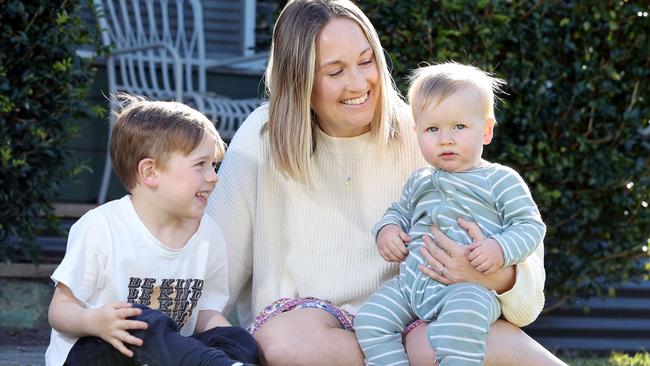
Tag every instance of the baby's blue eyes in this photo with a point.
(459, 126)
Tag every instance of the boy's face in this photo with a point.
(452, 133)
(186, 181)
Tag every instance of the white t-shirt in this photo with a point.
(111, 256)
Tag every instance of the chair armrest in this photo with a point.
(172, 51)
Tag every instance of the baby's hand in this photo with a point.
(391, 242)
(110, 323)
(486, 256)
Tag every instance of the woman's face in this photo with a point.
(346, 82)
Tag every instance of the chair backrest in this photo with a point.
(157, 46)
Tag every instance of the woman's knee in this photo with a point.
(277, 340)
(508, 345)
(293, 338)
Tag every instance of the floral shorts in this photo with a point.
(287, 304)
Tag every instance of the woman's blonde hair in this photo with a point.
(290, 77)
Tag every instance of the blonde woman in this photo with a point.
(303, 182)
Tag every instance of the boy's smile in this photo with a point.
(186, 182)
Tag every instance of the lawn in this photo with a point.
(616, 359)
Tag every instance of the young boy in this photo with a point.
(453, 109)
(144, 278)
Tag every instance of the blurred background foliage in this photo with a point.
(575, 121)
(43, 89)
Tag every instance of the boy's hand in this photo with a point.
(486, 255)
(110, 323)
(391, 242)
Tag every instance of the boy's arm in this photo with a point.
(68, 316)
(215, 291)
(208, 319)
(524, 229)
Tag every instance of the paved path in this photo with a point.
(22, 355)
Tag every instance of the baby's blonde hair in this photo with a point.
(437, 82)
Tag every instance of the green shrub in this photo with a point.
(43, 87)
(575, 121)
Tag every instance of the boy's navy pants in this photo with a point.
(163, 345)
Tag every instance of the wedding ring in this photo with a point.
(442, 271)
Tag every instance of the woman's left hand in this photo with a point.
(449, 263)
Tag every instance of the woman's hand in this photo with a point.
(449, 263)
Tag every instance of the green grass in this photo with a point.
(615, 359)
(587, 361)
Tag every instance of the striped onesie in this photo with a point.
(498, 200)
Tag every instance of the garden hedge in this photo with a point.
(43, 88)
(575, 121)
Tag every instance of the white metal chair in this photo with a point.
(157, 49)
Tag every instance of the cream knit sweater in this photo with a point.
(286, 239)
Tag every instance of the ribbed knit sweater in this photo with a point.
(287, 239)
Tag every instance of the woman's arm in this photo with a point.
(232, 204)
(520, 289)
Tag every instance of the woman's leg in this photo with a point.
(506, 345)
(307, 336)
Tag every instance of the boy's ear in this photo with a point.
(148, 172)
(488, 130)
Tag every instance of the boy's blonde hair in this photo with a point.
(290, 77)
(154, 129)
(434, 83)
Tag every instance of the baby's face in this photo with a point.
(452, 133)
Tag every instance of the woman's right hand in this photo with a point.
(449, 263)
(391, 243)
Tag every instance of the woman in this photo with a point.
(305, 179)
